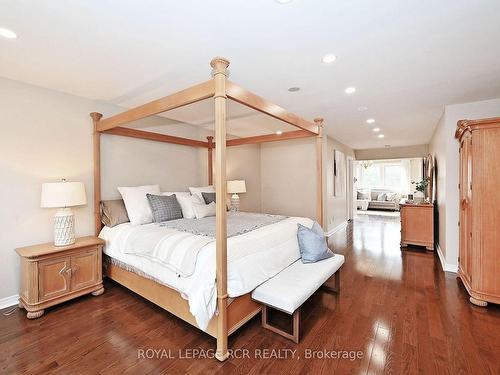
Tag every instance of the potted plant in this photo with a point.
(421, 186)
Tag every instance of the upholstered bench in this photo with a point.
(289, 289)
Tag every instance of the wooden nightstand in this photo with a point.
(51, 275)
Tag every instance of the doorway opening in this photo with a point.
(380, 185)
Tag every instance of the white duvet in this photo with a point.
(253, 258)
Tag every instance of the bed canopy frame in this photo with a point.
(231, 315)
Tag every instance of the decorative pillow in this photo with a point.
(204, 210)
(137, 204)
(390, 197)
(113, 212)
(196, 191)
(164, 207)
(312, 243)
(362, 195)
(208, 197)
(186, 203)
(381, 197)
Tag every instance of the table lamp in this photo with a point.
(63, 195)
(236, 187)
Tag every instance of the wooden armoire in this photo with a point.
(479, 225)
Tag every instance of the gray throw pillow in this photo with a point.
(382, 197)
(164, 207)
(208, 197)
(312, 243)
(113, 212)
(362, 195)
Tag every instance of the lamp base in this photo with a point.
(64, 227)
(235, 203)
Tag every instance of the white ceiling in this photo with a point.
(242, 121)
(407, 59)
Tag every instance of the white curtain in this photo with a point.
(405, 176)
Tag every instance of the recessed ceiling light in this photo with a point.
(8, 34)
(329, 58)
(362, 108)
(376, 129)
(350, 90)
(294, 89)
(283, 1)
(381, 136)
(370, 120)
(279, 132)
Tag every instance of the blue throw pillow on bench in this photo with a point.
(312, 243)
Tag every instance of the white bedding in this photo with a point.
(172, 248)
(253, 258)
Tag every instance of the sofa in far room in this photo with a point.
(378, 199)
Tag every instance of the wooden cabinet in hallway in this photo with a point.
(417, 225)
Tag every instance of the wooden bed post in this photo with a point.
(210, 140)
(219, 65)
(97, 172)
(319, 171)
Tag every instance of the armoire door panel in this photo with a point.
(486, 214)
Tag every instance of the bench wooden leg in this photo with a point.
(294, 336)
(336, 286)
(296, 325)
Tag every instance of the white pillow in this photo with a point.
(390, 197)
(137, 204)
(186, 203)
(196, 191)
(177, 193)
(185, 200)
(204, 210)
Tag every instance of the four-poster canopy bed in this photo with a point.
(232, 315)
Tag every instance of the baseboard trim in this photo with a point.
(447, 267)
(336, 229)
(9, 301)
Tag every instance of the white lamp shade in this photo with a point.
(63, 194)
(236, 187)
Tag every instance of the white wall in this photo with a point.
(416, 173)
(336, 206)
(392, 153)
(437, 148)
(288, 171)
(131, 162)
(47, 135)
(445, 146)
(288, 177)
(242, 163)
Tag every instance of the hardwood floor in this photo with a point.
(398, 308)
